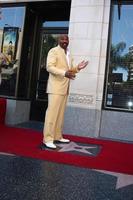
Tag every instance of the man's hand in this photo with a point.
(82, 65)
(69, 74)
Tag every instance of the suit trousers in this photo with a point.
(54, 117)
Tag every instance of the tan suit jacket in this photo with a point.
(57, 65)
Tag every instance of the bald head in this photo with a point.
(63, 41)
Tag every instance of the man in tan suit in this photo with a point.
(60, 71)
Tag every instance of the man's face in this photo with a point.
(64, 41)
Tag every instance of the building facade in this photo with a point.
(100, 103)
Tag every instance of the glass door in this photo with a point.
(49, 39)
(47, 42)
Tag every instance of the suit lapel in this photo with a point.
(70, 61)
(63, 55)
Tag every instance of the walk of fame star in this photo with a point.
(74, 147)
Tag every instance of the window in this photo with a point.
(11, 31)
(119, 85)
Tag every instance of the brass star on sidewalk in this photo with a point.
(6, 154)
(72, 146)
(122, 179)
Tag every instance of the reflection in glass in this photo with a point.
(55, 24)
(11, 31)
(119, 91)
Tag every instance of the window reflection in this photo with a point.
(119, 93)
(11, 30)
(55, 24)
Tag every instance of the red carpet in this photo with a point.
(114, 156)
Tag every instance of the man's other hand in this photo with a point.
(82, 65)
(69, 74)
